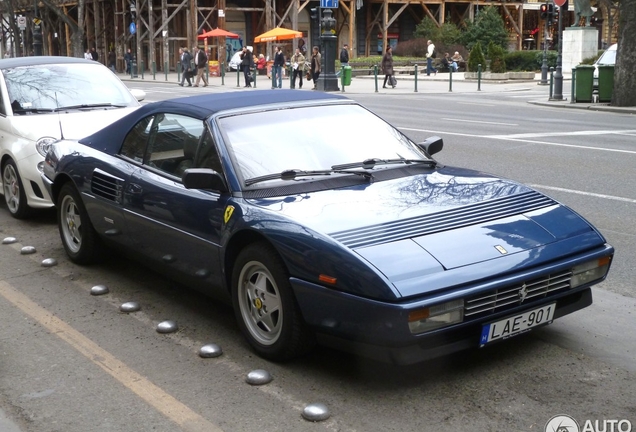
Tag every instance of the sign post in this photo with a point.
(22, 27)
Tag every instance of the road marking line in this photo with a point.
(481, 122)
(556, 134)
(504, 138)
(153, 395)
(577, 192)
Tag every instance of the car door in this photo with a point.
(177, 228)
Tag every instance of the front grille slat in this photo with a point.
(443, 221)
(505, 298)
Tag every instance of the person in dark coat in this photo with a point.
(387, 67)
(247, 63)
(201, 60)
(112, 60)
(186, 66)
(94, 54)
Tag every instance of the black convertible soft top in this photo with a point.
(109, 139)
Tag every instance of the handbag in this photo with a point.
(308, 76)
(393, 81)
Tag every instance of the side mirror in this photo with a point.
(138, 94)
(203, 178)
(432, 145)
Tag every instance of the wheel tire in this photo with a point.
(265, 307)
(79, 237)
(14, 194)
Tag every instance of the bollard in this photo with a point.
(154, 70)
(551, 81)
(165, 70)
(222, 73)
(207, 73)
(375, 72)
(342, 78)
(254, 77)
(450, 79)
(142, 69)
(291, 77)
(415, 76)
(573, 85)
(479, 77)
(238, 78)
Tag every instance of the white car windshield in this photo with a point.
(312, 139)
(49, 87)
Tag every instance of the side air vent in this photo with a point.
(107, 186)
(443, 221)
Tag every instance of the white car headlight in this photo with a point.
(43, 144)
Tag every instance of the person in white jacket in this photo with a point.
(430, 55)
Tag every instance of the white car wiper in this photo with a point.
(291, 174)
(370, 163)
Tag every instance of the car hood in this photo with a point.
(416, 226)
(74, 124)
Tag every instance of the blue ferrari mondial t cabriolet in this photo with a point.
(323, 223)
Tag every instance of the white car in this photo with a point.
(607, 58)
(44, 99)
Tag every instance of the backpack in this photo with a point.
(434, 55)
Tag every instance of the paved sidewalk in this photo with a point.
(406, 84)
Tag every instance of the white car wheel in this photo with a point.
(14, 194)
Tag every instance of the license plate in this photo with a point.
(515, 325)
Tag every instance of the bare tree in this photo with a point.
(9, 8)
(76, 28)
(624, 93)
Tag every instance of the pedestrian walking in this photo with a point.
(94, 54)
(316, 59)
(87, 54)
(277, 68)
(298, 68)
(186, 66)
(430, 55)
(112, 61)
(387, 68)
(201, 60)
(344, 55)
(128, 58)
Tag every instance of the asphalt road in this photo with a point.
(71, 362)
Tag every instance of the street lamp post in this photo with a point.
(37, 31)
(558, 75)
(328, 78)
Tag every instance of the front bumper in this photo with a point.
(35, 191)
(380, 330)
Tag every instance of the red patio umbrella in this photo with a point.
(217, 32)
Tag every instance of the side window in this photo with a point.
(136, 140)
(173, 143)
(208, 156)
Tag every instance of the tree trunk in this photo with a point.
(624, 93)
(77, 30)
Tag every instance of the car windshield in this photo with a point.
(311, 139)
(607, 58)
(52, 86)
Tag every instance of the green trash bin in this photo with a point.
(584, 83)
(605, 82)
(346, 76)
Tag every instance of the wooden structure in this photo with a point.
(162, 26)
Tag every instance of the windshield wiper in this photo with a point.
(95, 105)
(370, 163)
(32, 110)
(292, 174)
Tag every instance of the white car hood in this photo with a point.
(74, 125)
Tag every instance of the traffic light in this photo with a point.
(313, 14)
(550, 13)
(543, 10)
